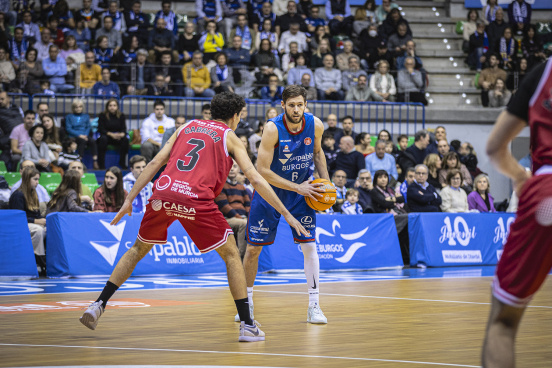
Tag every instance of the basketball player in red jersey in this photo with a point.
(198, 158)
(527, 256)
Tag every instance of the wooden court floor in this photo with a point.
(388, 323)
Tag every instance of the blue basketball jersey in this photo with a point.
(293, 155)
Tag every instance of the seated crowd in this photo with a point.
(252, 48)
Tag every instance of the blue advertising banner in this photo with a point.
(86, 244)
(343, 241)
(535, 4)
(448, 239)
(16, 249)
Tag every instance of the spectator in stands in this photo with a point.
(531, 47)
(519, 15)
(351, 75)
(206, 112)
(43, 45)
(422, 197)
(383, 53)
(222, 75)
(152, 130)
(197, 79)
(171, 73)
(117, 17)
(42, 193)
(409, 176)
(7, 72)
(36, 150)
(188, 42)
(25, 198)
(499, 95)
(384, 9)
(364, 17)
(488, 12)
(280, 7)
(245, 126)
(495, 29)
(364, 180)
(178, 122)
(433, 163)
(480, 199)
(360, 91)
(19, 136)
(380, 160)
(451, 161)
(470, 26)
(171, 21)
(382, 84)
(238, 57)
(488, 77)
(127, 54)
(137, 164)
(78, 126)
(248, 35)
(363, 144)
(262, 14)
(454, 199)
(333, 129)
(283, 22)
(57, 35)
(160, 87)
(508, 49)
(265, 63)
(440, 135)
(342, 59)
(104, 54)
(328, 145)
(397, 41)
(314, 20)
(410, 52)
(273, 91)
(66, 196)
(17, 47)
(160, 40)
(211, 42)
(137, 83)
(410, 83)
(317, 57)
(234, 203)
(30, 72)
(296, 73)
(113, 131)
(207, 11)
(351, 205)
(339, 179)
(106, 87)
(479, 45)
(443, 147)
(338, 14)
(51, 135)
(384, 198)
(328, 80)
(319, 35)
(415, 154)
(369, 40)
(31, 31)
(10, 117)
(68, 154)
(347, 124)
(85, 193)
(109, 197)
(402, 141)
(90, 16)
(266, 33)
(348, 159)
(293, 34)
(469, 158)
(137, 23)
(114, 40)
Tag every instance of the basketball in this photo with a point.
(328, 197)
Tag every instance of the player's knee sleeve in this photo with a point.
(309, 250)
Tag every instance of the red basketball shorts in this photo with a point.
(527, 256)
(203, 222)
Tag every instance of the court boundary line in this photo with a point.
(242, 353)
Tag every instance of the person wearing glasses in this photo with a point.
(454, 198)
(422, 196)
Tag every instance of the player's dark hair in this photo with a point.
(294, 91)
(225, 105)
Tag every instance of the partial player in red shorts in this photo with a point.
(527, 256)
(198, 158)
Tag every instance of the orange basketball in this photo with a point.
(328, 197)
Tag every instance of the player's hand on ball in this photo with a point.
(126, 208)
(308, 189)
(292, 221)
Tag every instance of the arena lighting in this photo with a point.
(439, 25)
(455, 64)
(430, 101)
(468, 101)
(445, 40)
(434, 9)
(457, 76)
(403, 14)
(448, 47)
(436, 14)
(443, 30)
(461, 83)
(427, 94)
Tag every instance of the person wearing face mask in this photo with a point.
(369, 40)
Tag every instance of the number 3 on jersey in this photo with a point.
(193, 155)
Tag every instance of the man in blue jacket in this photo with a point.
(55, 68)
(422, 196)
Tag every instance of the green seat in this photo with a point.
(89, 179)
(50, 181)
(410, 141)
(12, 178)
(373, 140)
(135, 147)
(3, 168)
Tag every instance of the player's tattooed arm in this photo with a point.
(319, 157)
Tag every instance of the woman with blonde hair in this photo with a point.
(480, 199)
(78, 126)
(433, 163)
(382, 84)
(323, 49)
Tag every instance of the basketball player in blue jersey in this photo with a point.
(290, 144)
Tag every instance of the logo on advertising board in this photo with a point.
(108, 249)
(341, 247)
(458, 232)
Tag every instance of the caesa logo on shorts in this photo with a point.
(456, 231)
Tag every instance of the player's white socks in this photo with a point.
(312, 270)
(250, 295)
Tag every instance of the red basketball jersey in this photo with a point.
(540, 120)
(198, 165)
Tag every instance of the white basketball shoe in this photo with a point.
(251, 333)
(92, 315)
(315, 315)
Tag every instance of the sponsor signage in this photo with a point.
(443, 239)
(343, 242)
(16, 249)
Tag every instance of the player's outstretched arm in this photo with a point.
(238, 152)
(319, 157)
(264, 160)
(149, 172)
(506, 128)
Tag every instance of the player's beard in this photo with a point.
(296, 120)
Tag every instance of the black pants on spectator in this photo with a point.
(412, 97)
(484, 97)
(122, 145)
(83, 144)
